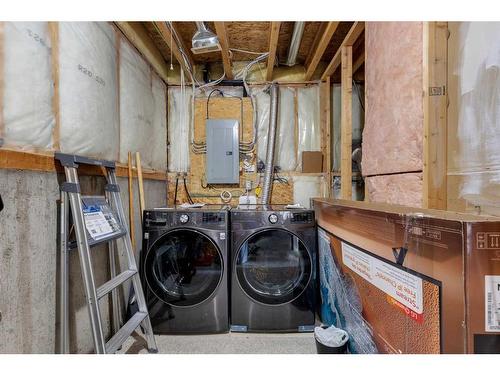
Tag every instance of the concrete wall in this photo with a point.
(29, 262)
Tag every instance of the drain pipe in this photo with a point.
(271, 137)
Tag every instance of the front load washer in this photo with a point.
(184, 269)
(273, 266)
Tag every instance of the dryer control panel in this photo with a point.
(160, 220)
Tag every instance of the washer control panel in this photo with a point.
(184, 218)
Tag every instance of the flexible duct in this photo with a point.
(271, 137)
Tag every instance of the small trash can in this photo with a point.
(331, 340)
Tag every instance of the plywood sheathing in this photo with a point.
(222, 108)
(404, 189)
(393, 133)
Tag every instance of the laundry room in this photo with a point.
(178, 184)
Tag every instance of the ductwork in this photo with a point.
(271, 140)
(204, 40)
(293, 48)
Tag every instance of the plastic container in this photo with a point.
(332, 348)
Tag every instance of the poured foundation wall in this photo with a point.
(28, 262)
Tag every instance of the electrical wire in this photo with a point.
(176, 187)
(187, 191)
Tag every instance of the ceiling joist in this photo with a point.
(349, 40)
(358, 63)
(171, 42)
(323, 41)
(273, 45)
(137, 34)
(220, 30)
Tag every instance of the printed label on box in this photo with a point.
(403, 287)
(492, 299)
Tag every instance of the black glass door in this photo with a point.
(183, 268)
(273, 266)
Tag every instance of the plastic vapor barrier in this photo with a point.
(262, 101)
(179, 122)
(28, 86)
(358, 119)
(475, 158)
(141, 125)
(88, 102)
(307, 187)
(285, 139)
(340, 300)
(309, 120)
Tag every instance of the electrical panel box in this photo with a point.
(223, 159)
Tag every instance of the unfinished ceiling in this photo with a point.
(256, 36)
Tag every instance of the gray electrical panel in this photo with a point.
(223, 158)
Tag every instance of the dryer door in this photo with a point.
(273, 266)
(183, 267)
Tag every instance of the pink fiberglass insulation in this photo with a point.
(393, 132)
(404, 189)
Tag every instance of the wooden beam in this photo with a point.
(346, 124)
(137, 34)
(166, 35)
(353, 34)
(435, 72)
(358, 63)
(273, 45)
(220, 29)
(314, 59)
(44, 162)
(325, 101)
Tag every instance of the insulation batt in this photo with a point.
(88, 101)
(142, 110)
(404, 189)
(392, 137)
(28, 86)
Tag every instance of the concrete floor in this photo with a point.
(227, 343)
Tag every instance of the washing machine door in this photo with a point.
(183, 267)
(273, 266)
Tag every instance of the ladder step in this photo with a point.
(123, 334)
(108, 286)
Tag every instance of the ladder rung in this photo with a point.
(114, 282)
(123, 334)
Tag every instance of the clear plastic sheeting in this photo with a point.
(285, 152)
(179, 122)
(141, 126)
(229, 91)
(307, 187)
(358, 120)
(262, 100)
(88, 102)
(28, 86)
(309, 120)
(341, 304)
(475, 158)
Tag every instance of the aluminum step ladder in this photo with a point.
(71, 193)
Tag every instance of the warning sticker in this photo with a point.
(492, 299)
(97, 224)
(404, 288)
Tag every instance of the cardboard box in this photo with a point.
(312, 162)
(428, 280)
